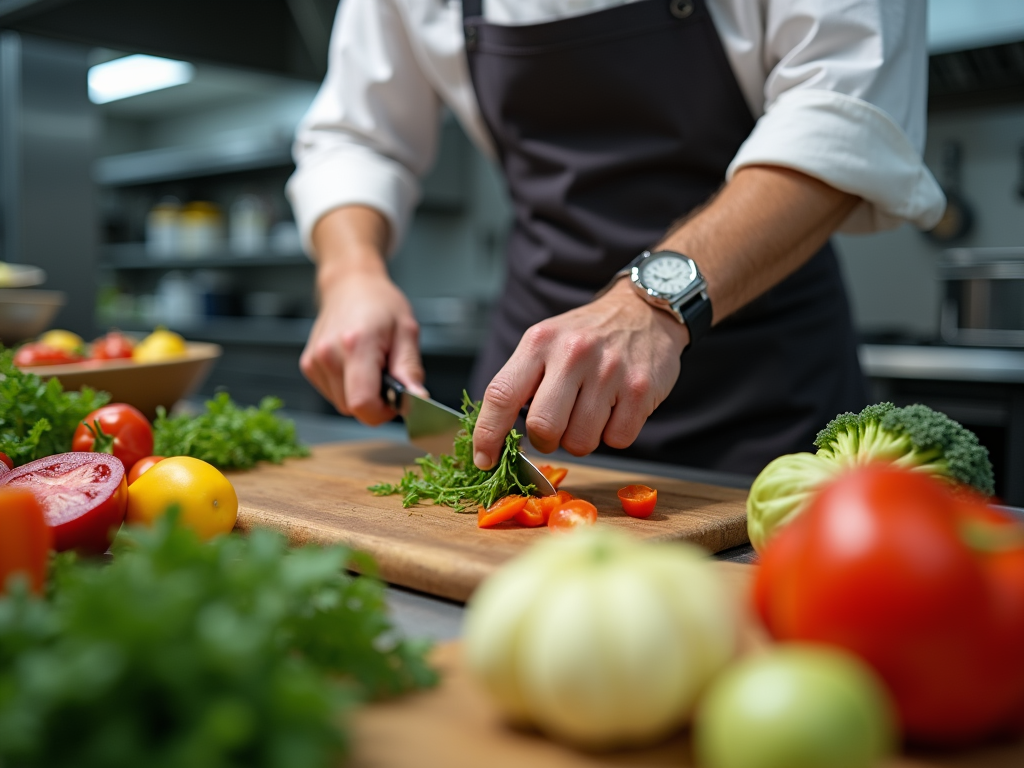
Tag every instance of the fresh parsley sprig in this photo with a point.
(38, 418)
(228, 436)
(452, 480)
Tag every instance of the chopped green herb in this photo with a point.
(238, 652)
(227, 436)
(38, 418)
(453, 480)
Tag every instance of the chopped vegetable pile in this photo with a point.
(453, 480)
(237, 652)
(38, 418)
(227, 436)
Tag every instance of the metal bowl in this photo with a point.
(25, 313)
(20, 275)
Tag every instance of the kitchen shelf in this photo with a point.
(135, 256)
(174, 163)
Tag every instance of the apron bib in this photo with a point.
(609, 127)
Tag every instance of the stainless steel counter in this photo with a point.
(904, 361)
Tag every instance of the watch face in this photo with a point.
(668, 275)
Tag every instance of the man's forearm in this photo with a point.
(761, 227)
(348, 240)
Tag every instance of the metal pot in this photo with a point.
(983, 303)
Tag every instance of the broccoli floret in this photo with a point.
(915, 437)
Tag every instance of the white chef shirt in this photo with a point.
(838, 89)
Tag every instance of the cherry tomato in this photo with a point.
(207, 500)
(83, 496)
(35, 354)
(6, 461)
(114, 346)
(503, 509)
(25, 539)
(141, 466)
(573, 514)
(638, 500)
(537, 511)
(878, 564)
(555, 475)
(118, 429)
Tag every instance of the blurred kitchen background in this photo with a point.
(151, 191)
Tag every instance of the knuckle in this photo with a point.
(500, 393)
(620, 436)
(579, 444)
(577, 348)
(638, 388)
(542, 426)
(350, 340)
(538, 336)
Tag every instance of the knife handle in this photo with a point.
(392, 391)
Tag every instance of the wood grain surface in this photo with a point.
(455, 725)
(324, 499)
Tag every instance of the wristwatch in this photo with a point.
(672, 282)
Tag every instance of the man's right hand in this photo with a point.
(365, 324)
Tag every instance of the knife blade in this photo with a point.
(432, 427)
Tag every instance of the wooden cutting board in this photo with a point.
(324, 499)
(456, 726)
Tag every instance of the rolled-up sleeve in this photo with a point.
(372, 129)
(845, 102)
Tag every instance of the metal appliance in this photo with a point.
(983, 303)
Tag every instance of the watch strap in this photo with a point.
(697, 315)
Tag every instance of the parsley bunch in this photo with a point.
(38, 418)
(227, 436)
(237, 652)
(453, 480)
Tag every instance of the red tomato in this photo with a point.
(555, 475)
(500, 511)
(537, 511)
(25, 539)
(83, 495)
(118, 429)
(113, 346)
(878, 565)
(6, 461)
(30, 355)
(638, 500)
(141, 466)
(573, 514)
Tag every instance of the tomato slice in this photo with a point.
(503, 509)
(25, 539)
(83, 495)
(537, 511)
(573, 514)
(555, 475)
(564, 496)
(638, 500)
(119, 429)
(141, 466)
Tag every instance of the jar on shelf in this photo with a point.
(247, 226)
(202, 229)
(163, 229)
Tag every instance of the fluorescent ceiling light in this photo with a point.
(132, 75)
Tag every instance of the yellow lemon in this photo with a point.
(60, 339)
(160, 345)
(206, 498)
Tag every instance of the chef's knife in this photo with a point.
(433, 426)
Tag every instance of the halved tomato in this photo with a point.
(83, 495)
(503, 509)
(537, 511)
(573, 514)
(638, 500)
(25, 539)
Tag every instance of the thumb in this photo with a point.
(404, 362)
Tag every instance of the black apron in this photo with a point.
(609, 127)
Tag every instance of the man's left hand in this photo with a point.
(595, 373)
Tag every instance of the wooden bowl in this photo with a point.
(144, 385)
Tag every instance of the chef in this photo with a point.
(676, 168)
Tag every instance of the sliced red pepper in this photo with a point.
(638, 500)
(555, 475)
(503, 509)
(573, 514)
(537, 510)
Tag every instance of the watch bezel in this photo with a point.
(670, 302)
